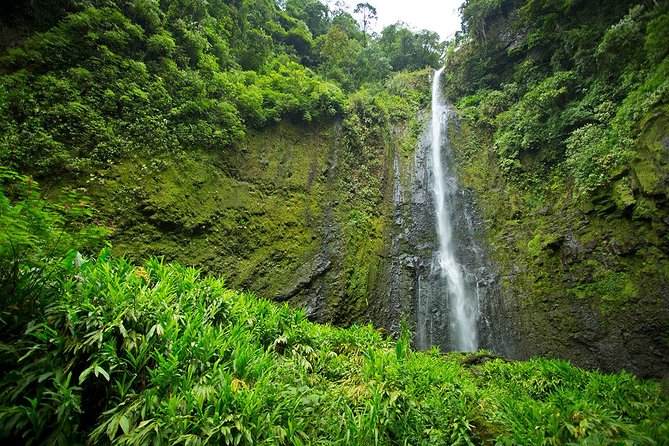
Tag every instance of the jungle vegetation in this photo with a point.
(100, 349)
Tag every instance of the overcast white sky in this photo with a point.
(435, 15)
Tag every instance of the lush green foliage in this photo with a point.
(106, 79)
(155, 355)
(99, 86)
(411, 51)
(562, 88)
(36, 237)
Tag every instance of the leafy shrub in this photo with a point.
(657, 35)
(624, 39)
(161, 45)
(99, 86)
(36, 237)
(567, 405)
(294, 91)
(534, 123)
(593, 158)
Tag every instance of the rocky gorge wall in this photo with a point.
(295, 212)
(337, 218)
(563, 140)
(582, 277)
(267, 217)
(412, 278)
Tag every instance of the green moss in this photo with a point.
(610, 292)
(541, 242)
(251, 215)
(611, 286)
(534, 246)
(646, 174)
(363, 235)
(622, 194)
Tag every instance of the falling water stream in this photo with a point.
(459, 312)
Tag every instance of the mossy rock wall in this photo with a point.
(292, 213)
(335, 218)
(584, 276)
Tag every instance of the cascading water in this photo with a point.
(448, 299)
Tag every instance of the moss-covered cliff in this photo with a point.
(564, 139)
(584, 278)
(297, 212)
(253, 139)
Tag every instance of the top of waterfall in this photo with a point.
(436, 76)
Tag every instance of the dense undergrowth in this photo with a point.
(118, 353)
(565, 94)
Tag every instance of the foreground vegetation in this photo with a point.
(102, 351)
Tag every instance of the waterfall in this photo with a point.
(459, 312)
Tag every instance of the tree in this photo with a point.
(368, 13)
(408, 50)
(312, 12)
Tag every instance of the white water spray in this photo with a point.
(462, 306)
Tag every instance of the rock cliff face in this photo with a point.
(345, 230)
(563, 140)
(295, 213)
(266, 216)
(584, 278)
(411, 279)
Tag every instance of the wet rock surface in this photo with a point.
(411, 276)
(583, 278)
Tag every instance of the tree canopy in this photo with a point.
(86, 81)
